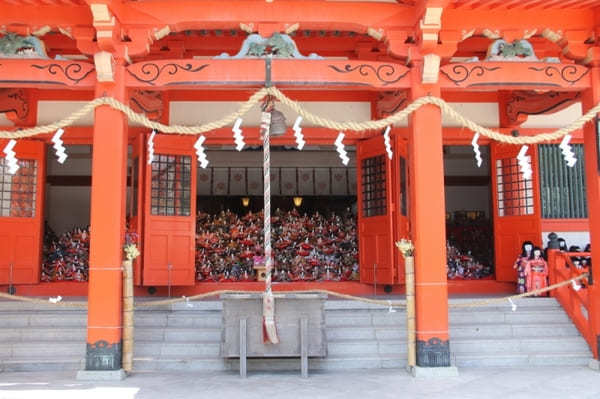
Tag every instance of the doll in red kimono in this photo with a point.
(522, 259)
(536, 271)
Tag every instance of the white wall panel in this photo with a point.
(198, 112)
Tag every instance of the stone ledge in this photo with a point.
(101, 375)
(433, 372)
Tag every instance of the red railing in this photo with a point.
(575, 302)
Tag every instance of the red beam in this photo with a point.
(310, 14)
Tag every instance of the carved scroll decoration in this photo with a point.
(385, 73)
(75, 71)
(459, 73)
(570, 74)
(150, 72)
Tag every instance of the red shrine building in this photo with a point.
(518, 67)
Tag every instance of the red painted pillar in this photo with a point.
(591, 97)
(107, 224)
(428, 228)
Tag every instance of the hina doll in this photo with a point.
(522, 259)
(536, 271)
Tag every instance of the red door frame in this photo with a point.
(511, 230)
(136, 218)
(401, 197)
(21, 237)
(170, 241)
(376, 257)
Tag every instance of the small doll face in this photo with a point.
(528, 248)
(537, 254)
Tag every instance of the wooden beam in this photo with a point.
(310, 14)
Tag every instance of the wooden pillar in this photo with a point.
(591, 97)
(428, 228)
(107, 225)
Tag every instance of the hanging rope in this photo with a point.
(315, 119)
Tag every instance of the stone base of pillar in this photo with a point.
(101, 375)
(594, 364)
(433, 372)
(433, 353)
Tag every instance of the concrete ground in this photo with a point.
(501, 383)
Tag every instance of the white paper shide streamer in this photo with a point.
(476, 150)
(238, 135)
(200, 153)
(151, 147)
(525, 163)
(339, 146)
(567, 151)
(58, 146)
(386, 141)
(298, 133)
(11, 160)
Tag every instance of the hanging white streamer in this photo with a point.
(298, 133)
(238, 135)
(11, 159)
(567, 151)
(200, 152)
(525, 163)
(339, 146)
(512, 305)
(151, 147)
(58, 146)
(188, 304)
(386, 141)
(391, 308)
(55, 299)
(476, 150)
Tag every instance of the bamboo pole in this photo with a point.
(127, 315)
(409, 267)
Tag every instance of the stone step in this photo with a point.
(177, 334)
(518, 345)
(42, 350)
(364, 318)
(360, 333)
(179, 319)
(19, 306)
(520, 316)
(357, 348)
(513, 330)
(58, 334)
(171, 349)
(521, 359)
(46, 319)
(40, 364)
(164, 363)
